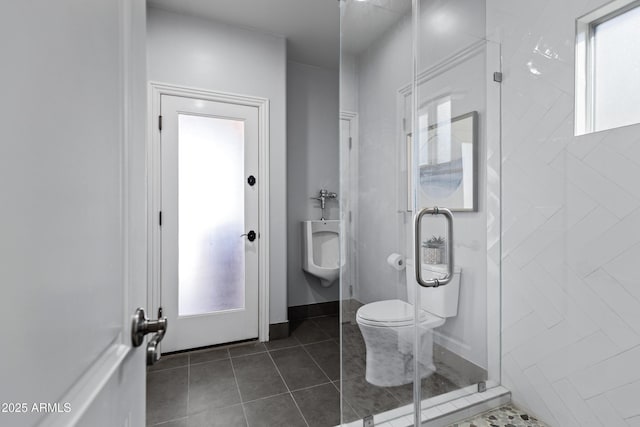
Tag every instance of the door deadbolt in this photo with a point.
(251, 180)
(251, 235)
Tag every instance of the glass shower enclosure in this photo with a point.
(420, 207)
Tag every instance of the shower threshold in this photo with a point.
(445, 409)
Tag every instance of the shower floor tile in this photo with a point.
(505, 416)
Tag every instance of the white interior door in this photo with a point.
(72, 216)
(209, 231)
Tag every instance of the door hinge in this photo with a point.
(497, 77)
(350, 219)
(160, 123)
(350, 142)
(160, 218)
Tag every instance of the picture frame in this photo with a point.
(448, 165)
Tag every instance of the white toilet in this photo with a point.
(321, 250)
(388, 328)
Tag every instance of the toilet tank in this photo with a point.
(441, 301)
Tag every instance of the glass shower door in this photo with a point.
(377, 330)
(408, 348)
(455, 149)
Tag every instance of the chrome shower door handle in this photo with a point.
(433, 283)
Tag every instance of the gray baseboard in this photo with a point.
(278, 330)
(300, 312)
(458, 369)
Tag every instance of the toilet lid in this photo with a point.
(392, 313)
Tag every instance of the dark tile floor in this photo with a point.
(288, 382)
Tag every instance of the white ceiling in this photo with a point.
(365, 21)
(311, 27)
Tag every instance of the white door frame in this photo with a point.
(351, 226)
(156, 90)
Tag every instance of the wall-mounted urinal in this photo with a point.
(321, 250)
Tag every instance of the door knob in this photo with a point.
(141, 326)
(251, 180)
(153, 348)
(251, 235)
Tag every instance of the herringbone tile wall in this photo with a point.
(571, 231)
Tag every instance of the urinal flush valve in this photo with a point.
(322, 197)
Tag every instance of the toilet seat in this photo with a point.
(395, 313)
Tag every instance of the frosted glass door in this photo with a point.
(208, 264)
(211, 214)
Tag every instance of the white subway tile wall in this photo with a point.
(571, 231)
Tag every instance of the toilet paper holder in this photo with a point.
(396, 261)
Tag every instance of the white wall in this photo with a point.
(348, 83)
(312, 164)
(382, 70)
(448, 26)
(571, 231)
(383, 226)
(190, 51)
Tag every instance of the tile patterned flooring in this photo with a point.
(505, 416)
(288, 382)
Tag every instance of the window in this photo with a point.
(608, 67)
